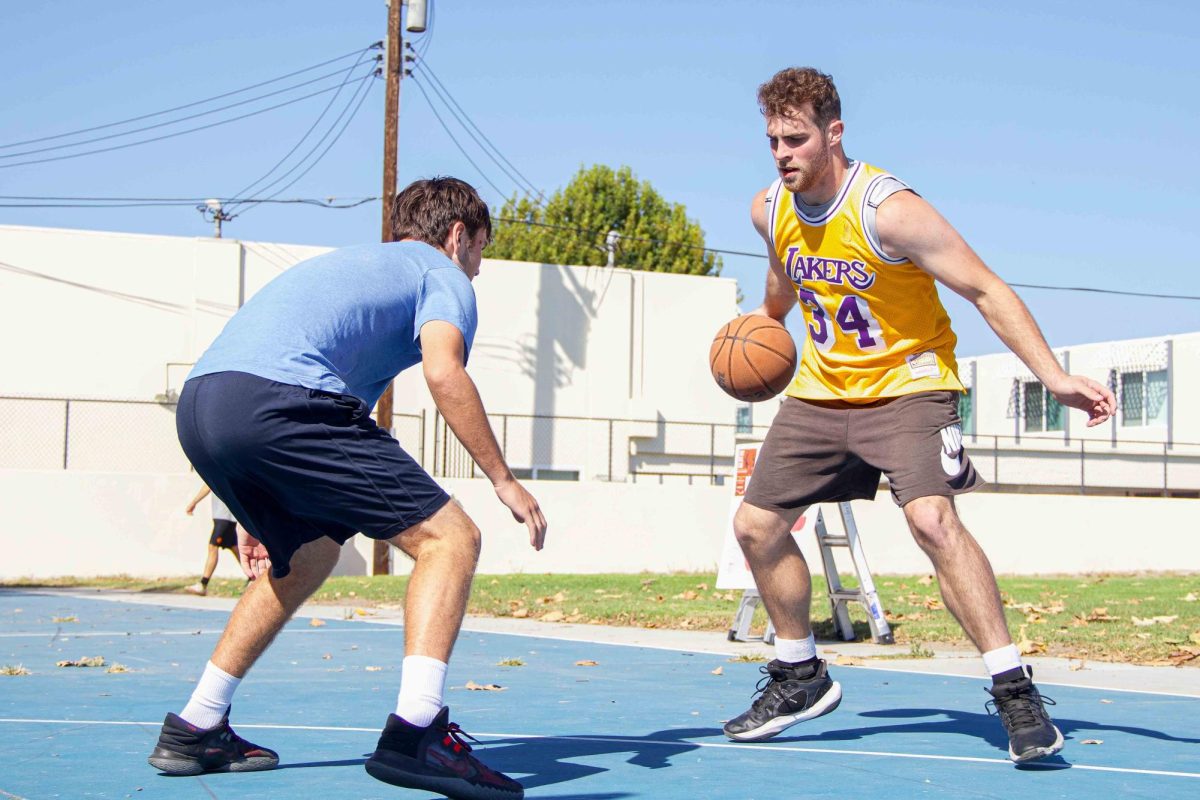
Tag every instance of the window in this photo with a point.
(966, 411)
(544, 474)
(1042, 412)
(1143, 398)
(745, 417)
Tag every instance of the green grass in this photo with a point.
(1087, 616)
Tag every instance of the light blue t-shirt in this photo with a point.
(346, 322)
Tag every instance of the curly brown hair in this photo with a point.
(427, 208)
(789, 89)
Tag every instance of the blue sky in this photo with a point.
(1057, 137)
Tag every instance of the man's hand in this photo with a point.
(252, 555)
(525, 509)
(191, 507)
(1087, 395)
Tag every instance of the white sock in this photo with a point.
(212, 697)
(794, 650)
(422, 681)
(1002, 659)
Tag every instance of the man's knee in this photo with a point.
(449, 528)
(757, 529)
(933, 522)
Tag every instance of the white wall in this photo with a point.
(69, 523)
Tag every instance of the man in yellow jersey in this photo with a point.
(876, 391)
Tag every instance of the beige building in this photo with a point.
(599, 389)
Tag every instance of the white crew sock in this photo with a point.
(1002, 659)
(212, 697)
(794, 650)
(422, 681)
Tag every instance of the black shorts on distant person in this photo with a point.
(296, 464)
(224, 534)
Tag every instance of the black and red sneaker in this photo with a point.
(437, 759)
(184, 749)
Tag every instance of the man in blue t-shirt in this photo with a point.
(275, 418)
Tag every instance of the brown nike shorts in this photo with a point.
(832, 451)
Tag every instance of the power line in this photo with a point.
(449, 133)
(374, 46)
(171, 135)
(1094, 290)
(464, 119)
(166, 202)
(181, 119)
(307, 133)
(597, 233)
(328, 147)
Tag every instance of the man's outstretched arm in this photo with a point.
(457, 398)
(911, 228)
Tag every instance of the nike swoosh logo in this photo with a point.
(952, 450)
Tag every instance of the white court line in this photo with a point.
(469, 627)
(664, 743)
(129, 634)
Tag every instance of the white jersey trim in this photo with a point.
(884, 186)
(772, 203)
(835, 206)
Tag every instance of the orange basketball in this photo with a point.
(753, 358)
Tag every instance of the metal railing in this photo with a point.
(106, 435)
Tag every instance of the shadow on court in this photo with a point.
(980, 726)
(543, 762)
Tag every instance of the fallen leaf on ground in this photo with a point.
(926, 580)
(1190, 597)
(849, 661)
(1075, 666)
(65, 619)
(316, 623)
(1143, 622)
(1092, 741)
(553, 616)
(1106, 702)
(483, 687)
(587, 663)
(521, 613)
(362, 612)
(373, 669)
(117, 668)
(14, 669)
(719, 671)
(88, 661)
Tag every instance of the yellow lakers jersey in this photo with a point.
(876, 327)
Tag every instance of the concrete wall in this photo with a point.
(67, 523)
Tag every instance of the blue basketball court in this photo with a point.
(640, 723)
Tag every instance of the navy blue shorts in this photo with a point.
(296, 464)
(224, 534)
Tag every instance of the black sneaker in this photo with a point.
(184, 749)
(1031, 733)
(437, 759)
(787, 695)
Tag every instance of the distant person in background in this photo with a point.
(224, 534)
(876, 392)
(276, 418)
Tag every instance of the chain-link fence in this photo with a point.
(43, 433)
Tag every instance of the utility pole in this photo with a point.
(214, 207)
(394, 66)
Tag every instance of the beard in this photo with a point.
(807, 177)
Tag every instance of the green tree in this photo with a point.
(572, 227)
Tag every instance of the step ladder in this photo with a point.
(839, 595)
